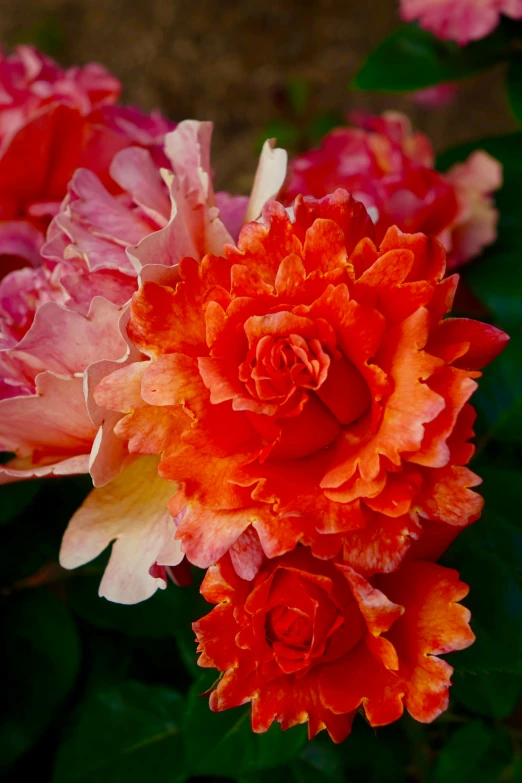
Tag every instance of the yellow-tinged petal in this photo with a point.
(131, 511)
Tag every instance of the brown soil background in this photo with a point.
(229, 61)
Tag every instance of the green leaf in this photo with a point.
(18, 560)
(298, 91)
(321, 758)
(129, 731)
(169, 613)
(15, 498)
(35, 540)
(224, 744)
(496, 280)
(503, 536)
(495, 600)
(505, 148)
(156, 618)
(322, 124)
(378, 755)
(41, 654)
(285, 132)
(516, 776)
(514, 87)
(501, 490)
(42, 526)
(499, 530)
(499, 397)
(299, 771)
(496, 277)
(474, 754)
(488, 555)
(370, 755)
(412, 58)
(186, 644)
(276, 747)
(47, 34)
(494, 694)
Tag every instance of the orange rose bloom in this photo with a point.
(313, 641)
(304, 388)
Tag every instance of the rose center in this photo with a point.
(292, 627)
(276, 366)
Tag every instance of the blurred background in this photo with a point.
(253, 68)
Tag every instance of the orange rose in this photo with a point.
(305, 388)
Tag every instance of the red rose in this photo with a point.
(313, 641)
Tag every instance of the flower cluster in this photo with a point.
(388, 167)
(270, 388)
(313, 414)
(464, 21)
(63, 325)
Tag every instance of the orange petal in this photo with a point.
(173, 379)
(449, 497)
(430, 256)
(358, 679)
(307, 433)
(206, 535)
(433, 624)
(485, 342)
(345, 391)
(379, 612)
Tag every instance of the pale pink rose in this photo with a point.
(459, 20)
(475, 226)
(99, 241)
(63, 328)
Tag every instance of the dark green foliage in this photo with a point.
(411, 59)
(475, 753)
(514, 87)
(123, 732)
(40, 659)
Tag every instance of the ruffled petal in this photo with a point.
(433, 624)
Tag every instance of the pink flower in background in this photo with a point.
(390, 168)
(435, 97)
(393, 136)
(30, 81)
(53, 121)
(475, 226)
(461, 21)
(63, 328)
